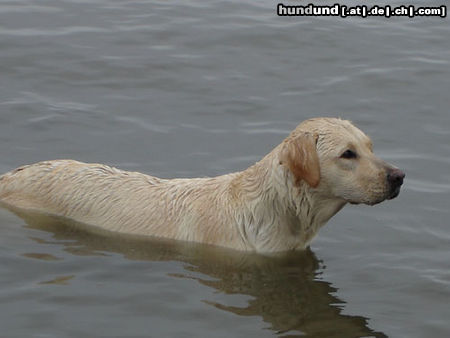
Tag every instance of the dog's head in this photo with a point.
(336, 158)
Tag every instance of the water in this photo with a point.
(189, 88)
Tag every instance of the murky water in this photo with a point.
(193, 88)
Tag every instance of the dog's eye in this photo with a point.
(348, 154)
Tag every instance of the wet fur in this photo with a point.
(277, 204)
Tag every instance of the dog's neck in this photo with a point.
(279, 215)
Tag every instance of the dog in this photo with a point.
(277, 204)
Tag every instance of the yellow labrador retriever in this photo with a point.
(277, 204)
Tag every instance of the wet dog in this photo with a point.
(277, 204)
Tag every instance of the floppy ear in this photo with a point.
(299, 155)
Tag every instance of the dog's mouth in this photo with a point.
(394, 193)
(391, 195)
(372, 202)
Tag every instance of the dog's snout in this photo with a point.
(395, 177)
(395, 180)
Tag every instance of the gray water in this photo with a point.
(201, 88)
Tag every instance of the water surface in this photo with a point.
(191, 89)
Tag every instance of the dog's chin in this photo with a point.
(375, 202)
(391, 195)
(368, 202)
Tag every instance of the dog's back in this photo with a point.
(68, 188)
(114, 199)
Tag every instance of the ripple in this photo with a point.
(429, 60)
(142, 124)
(28, 9)
(275, 131)
(428, 186)
(54, 104)
(33, 32)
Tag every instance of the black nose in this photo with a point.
(395, 178)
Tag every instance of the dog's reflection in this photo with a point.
(285, 290)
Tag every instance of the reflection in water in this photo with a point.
(63, 280)
(284, 290)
